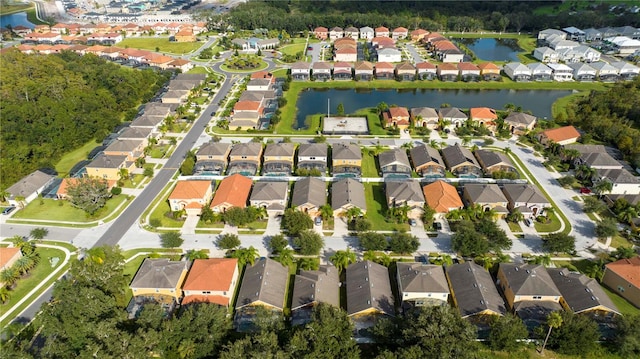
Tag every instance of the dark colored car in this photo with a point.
(8, 210)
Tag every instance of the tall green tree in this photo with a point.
(554, 320)
(89, 194)
(171, 240)
(295, 221)
(373, 241)
(559, 243)
(309, 242)
(228, 241)
(507, 333)
(403, 242)
(341, 259)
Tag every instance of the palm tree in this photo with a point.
(544, 260)
(342, 259)
(515, 216)
(627, 214)
(4, 194)
(23, 264)
(246, 255)
(507, 150)
(39, 233)
(9, 276)
(193, 254)
(285, 257)
(603, 186)
(307, 264)
(466, 140)
(187, 348)
(444, 259)
(454, 215)
(442, 124)
(5, 294)
(369, 256)
(596, 270)
(435, 144)
(326, 212)
(569, 154)
(554, 320)
(352, 213)
(585, 172)
(96, 255)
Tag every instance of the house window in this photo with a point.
(620, 289)
(537, 297)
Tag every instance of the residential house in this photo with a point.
(529, 290)
(442, 197)
(622, 277)
(561, 135)
(369, 293)
(559, 44)
(473, 291)
(468, 71)
(461, 162)
(382, 31)
(517, 71)
(136, 134)
(520, 123)
(309, 194)
(352, 32)
(278, 159)
(190, 196)
(233, 191)
(66, 183)
(623, 45)
(487, 196)
(561, 72)
(399, 33)
(579, 54)
(263, 84)
(545, 34)
(574, 33)
(313, 156)
(367, 33)
(212, 158)
(342, 71)
(132, 149)
(160, 280)
(29, 187)
(592, 34)
(244, 158)
(364, 71)
(623, 181)
(453, 116)
(264, 284)
(581, 294)
(583, 72)
(540, 72)
(384, 71)
(389, 54)
(450, 55)
(346, 54)
(526, 198)
(312, 287)
(448, 72)
(395, 164)
(426, 70)
(418, 34)
(605, 72)
(484, 116)
(546, 54)
(427, 161)
(346, 160)
(347, 193)
(492, 162)
(211, 280)
(421, 285)
(245, 120)
(626, 70)
(8, 256)
(396, 117)
(489, 71)
(321, 33)
(109, 167)
(175, 96)
(301, 71)
(273, 196)
(405, 71)
(407, 193)
(595, 156)
(336, 33)
(425, 117)
(321, 71)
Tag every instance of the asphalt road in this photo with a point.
(130, 215)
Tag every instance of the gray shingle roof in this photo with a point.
(322, 286)
(159, 273)
(309, 190)
(280, 149)
(402, 192)
(452, 112)
(269, 191)
(135, 133)
(246, 149)
(474, 290)
(341, 151)
(484, 193)
(147, 121)
(368, 286)
(396, 156)
(423, 154)
(618, 176)
(458, 155)
(580, 292)
(214, 149)
(124, 145)
(523, 193)
(421, 278)
(529, 279)
(520, 118)
(312, 149)
(29, 184)
(348, 191)
(492, 158)
(425, 112)
(107, 161)
(265, 281)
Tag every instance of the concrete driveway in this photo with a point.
(190, 224)
(273, 225)
(418, 229)
(340, 227)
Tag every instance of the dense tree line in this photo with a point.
(296, 16)
(53, 104)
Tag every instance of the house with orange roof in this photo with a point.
(346, 54)
(233, 191)
(185, 35)
(190, 196)
(562, 136)
(131, 29)
(180, 64)
(381, 31)
(8, 256)
(418, 34)
(405, 71)
(442, 197)
(623, 277)
(95, 49)
(25, 49)
(61, 193)
(160, 61)
(484, 116)
(448, 72)
(382, 42)
(489, 71)
(321, 33)
(468, 71)
(399, 33)
(342, 71)
(59, 28)
(211, 280)
(43, 49)
(396, 117)
(103, 28)
(42, 29)
(385, 71)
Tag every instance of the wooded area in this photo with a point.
(53, 104)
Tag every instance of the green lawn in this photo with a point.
(159, 151)
(131, 267)
(552, 226)
(71, 158)
(514, 227)
(280, 73)
(369, 167)
(376, 208)
(623, 305)
(162, 213)
(292, 49)
(560, 105)
(198, 70)
(618, 241)
(7, 9)
(263, 65)
(159, 44)
(31, 280)
(373, 121)
(58, 210)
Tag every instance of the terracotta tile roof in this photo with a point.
(381, 29)
(320, 29)
(341, 65)
(346, 50)
(179, 62)
(384, 66)
(425, 65)
(6, 253)
(441, 196)
(488, 66)
(364, 65)
(190, 189)
(214, 274)
(447, 67)
(345, 40)
(629, 269)
(246, 106)
(482, 113)
(66, 182)
(212, 299)
(418, 32)
(561, 134)
(233, 190)
(398, 112)
(468, 66)
(400, 29)
(261, 75)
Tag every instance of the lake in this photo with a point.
(19, 18)
(490, 49)
(314, 101)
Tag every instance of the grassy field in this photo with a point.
(560, 105)
(369, 167)
(552, 226)
(198, 70)
(6, 9)
(376, 208)
(623, 305)
(292, 49)
(67, 161)
(514, 227)
(160, 214)
(57, 210)
(160, 44)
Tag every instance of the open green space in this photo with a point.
(7, 9)
(69, 160)
(377, 207)
(559, 107)
(162, 213)
(61, 210)
(198, 70)
(293, 49)
(31, 16)
(553, 225)
(159, 44)
(159, 151)
(369, 168)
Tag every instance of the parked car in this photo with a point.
(528, 222)
(8, 210)
(318, 221)
(310, 48)
(412, 222)
(437, 226)
(585, 190)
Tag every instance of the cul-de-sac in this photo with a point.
(319, 179)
